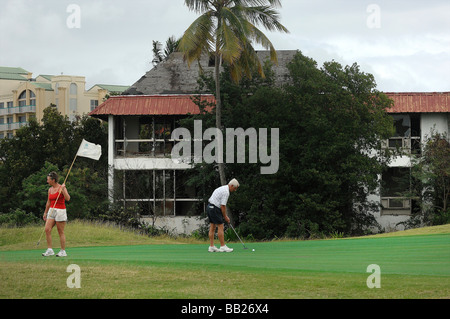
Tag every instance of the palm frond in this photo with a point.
(157, 55)
(252, 3)
(198, 6)
(171, 46)
(231, 35)
(198, 38)
(229, 43)
(265, 16)
(247, 64)
(259, 37)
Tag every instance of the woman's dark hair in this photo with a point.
(53, 176)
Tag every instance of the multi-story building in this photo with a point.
(140, 123)
(417, 115)
(23, 97)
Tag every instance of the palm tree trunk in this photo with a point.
(220, 163)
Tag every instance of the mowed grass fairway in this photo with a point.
(118, 264)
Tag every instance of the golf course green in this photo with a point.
(392, 267)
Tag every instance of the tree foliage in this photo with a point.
(159, 55)
(431, 182)
(38, 149)
(331, 122)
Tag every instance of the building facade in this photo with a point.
(140, 124)
(141, 121)
(23, 97)
(142, 174)
(417, 115)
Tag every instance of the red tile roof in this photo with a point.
(150, 105)
(405, 102)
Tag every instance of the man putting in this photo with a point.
(217, 214)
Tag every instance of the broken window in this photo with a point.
(407, 133)
(157, 192)
(402, 123)
(145, 133)
(395, 189)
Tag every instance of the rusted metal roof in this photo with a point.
(150, 105)
(404, 102)
(412, 102)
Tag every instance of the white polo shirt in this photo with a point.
(220, 196)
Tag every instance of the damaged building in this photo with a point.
(141, 121)
(140, 124)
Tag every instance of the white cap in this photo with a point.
(234, 182)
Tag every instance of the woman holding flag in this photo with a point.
(55, 209)
(55, 213)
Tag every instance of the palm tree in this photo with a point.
(157, 55)
(226, 30)
(171, 46)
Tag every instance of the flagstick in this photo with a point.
(70, 169)
(59, 193)
(65, 181)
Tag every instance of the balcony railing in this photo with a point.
(409, 145)
(12, 126)
(18, 110)
(144, 147)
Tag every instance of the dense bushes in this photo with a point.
(17, 218)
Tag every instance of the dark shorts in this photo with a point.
(214, 214)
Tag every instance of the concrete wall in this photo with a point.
(437, 122)
(176, 224)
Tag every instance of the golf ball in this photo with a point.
(253, 250)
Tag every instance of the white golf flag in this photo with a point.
(90, 150)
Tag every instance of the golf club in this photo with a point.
(39, 241)
(237, 235)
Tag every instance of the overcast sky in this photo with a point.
(405, 44)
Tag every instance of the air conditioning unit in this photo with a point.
(395, 202)
(395, 206)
